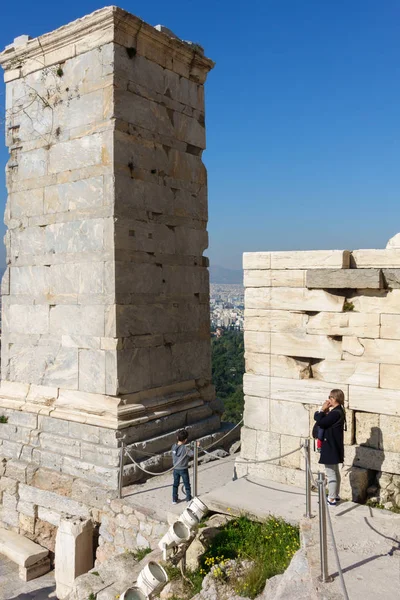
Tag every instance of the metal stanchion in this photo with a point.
(195, 468)
(323, 549)
(308, 478)
(121, 470)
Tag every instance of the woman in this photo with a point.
(331, 419)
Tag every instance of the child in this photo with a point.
(180, 460)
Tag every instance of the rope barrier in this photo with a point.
(314, 483)
(224, 436)
(255, 462)
(213, 455)
(153, 472)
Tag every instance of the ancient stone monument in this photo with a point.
(315, 321)
(106, 293)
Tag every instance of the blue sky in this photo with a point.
(303, 106)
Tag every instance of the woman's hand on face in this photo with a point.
(326, 405)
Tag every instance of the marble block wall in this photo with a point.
(106, 294)
(315, 321)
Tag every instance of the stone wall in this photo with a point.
(315, 321)
(34, 499)
(106, 293)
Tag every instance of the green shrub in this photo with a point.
(3, 419)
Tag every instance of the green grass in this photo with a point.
(394, 509)
(140, 553)
(269, 545)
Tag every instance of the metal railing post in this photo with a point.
(308, 478)
(323, 549)
(121, 469)
(195, 468)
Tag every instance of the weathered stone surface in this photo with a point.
(377, 258)
(344, 278)
(369, 301)
(256, 413)
(346, 372)
(354, 484)
(257, 341)
(369, 399)
(389, 376)
(305, 391)
(349, 323)
(371, 350)
(274, 278)
(367, 430)
(391, 278)
(389, 427)
(307, 346)
(292, 299)
(74, 550)
(370, 458)
(294, 415)
(390, 327)
(314, 259)
(274, 320)
(256, 260)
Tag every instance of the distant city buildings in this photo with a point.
(226, 306)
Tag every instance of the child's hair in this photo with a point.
(338, 395)
(183, 435)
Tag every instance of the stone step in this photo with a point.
(31, 558)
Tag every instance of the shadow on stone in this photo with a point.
(364, 473)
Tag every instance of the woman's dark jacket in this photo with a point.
(332, 451)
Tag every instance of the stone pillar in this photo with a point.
(106, 293)
(74, 553)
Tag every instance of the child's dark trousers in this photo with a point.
(178, 473)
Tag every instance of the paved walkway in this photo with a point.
(12, 588)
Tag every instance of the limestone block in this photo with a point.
(256, 413)
(258, 364)
(391, 278)
(32, 164)
(305, 391)
(75, 236)
(371, 400)
(268, 446)
(390, 327)
(37, 570)
(19, 549)
(288, 444)
(290, 417)
(32, 281)
(52, 501)
(257, 341)
(370, 458)
(285, 366)
(25, 318)
(47, 479)
(292, 299)
(346, 372)
(81, 341)
(377, 258)
(92, 371)
(76, 154)
(314, 259)
(256, 260)
(74, 552)
(354, 484)
(52, 443)
(348, 323)
(44, 365)
(389, 377)
(82, 109)
(77, 320)
(307, 346)
(268, 278)
(377, 302)
(137, 278)
(30, 240)
(75, 195)
(370, 350)
(248, 449)
(26, 204)
(5, 282)
(27, 523)
(256, 385)
(394, 242)
(344, 278)
(367, 430)
(274, 320)
(389, 431)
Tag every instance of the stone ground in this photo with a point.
(12, 588)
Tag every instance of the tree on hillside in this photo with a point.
(227, 373)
